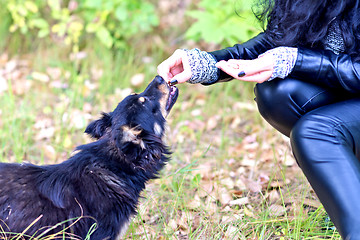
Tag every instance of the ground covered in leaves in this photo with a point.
(231, 175)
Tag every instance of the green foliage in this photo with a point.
(118, 20)
(113, 22)
(224, 22)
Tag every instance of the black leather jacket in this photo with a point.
(318, 66)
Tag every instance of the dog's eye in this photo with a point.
(141, 99)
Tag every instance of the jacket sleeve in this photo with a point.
(248, 50)
(325, 68)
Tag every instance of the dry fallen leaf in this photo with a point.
(195, 203)
(273, 196)
(78, 56)
(253, 186)
(45, 133)
(232, 233)
(10, 66)
(21, 87)
(206, 188)
(183, 222)
(196, 113)
(54, 72)
(39, 76)
(3, 84)
(237, 193)
(276, 210)
(212, 122)
(225, 198)
(248, 212)
(228, 182)
(49, 152)
(239, 202)
(172, 223)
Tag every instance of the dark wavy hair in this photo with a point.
(305, 22)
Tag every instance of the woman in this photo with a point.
(307, 66)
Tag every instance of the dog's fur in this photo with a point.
(101, 182)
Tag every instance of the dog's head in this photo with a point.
(138, 122)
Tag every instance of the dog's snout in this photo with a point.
(157, 84)
(159, 80)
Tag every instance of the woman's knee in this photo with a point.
(276, 104)
(282, 102)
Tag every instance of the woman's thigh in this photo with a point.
(282, 102)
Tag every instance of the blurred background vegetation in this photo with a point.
(85, 50)
(115, 24)
(63, 62)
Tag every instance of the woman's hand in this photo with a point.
(175, 68)
(258, 70)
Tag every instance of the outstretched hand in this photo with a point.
(176, 67)
(258, 70)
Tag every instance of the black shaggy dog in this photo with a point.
(99, 186)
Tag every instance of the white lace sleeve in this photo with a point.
(285, 58)
(202, 66)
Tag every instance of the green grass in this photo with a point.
(15, 134)
(4, 234)
(168, 202)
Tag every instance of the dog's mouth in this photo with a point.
(173, 95)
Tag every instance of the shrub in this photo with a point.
(113, 22)
(223, 22)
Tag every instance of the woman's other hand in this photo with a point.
(258, 70)
(176, 67)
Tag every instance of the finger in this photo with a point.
(250, 67)
(177, 59)
(238, 63)
(255, 76)
(259, 77)
(229, 69)
(171, 66)
(164, 71)
(263, 64)
(185, 73)
(182, 77)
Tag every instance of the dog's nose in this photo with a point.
(158, 83)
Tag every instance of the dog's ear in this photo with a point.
(97, 128)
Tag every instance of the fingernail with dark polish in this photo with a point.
(241, 74)
(173, 82)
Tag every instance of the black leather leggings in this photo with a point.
(324, 129)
